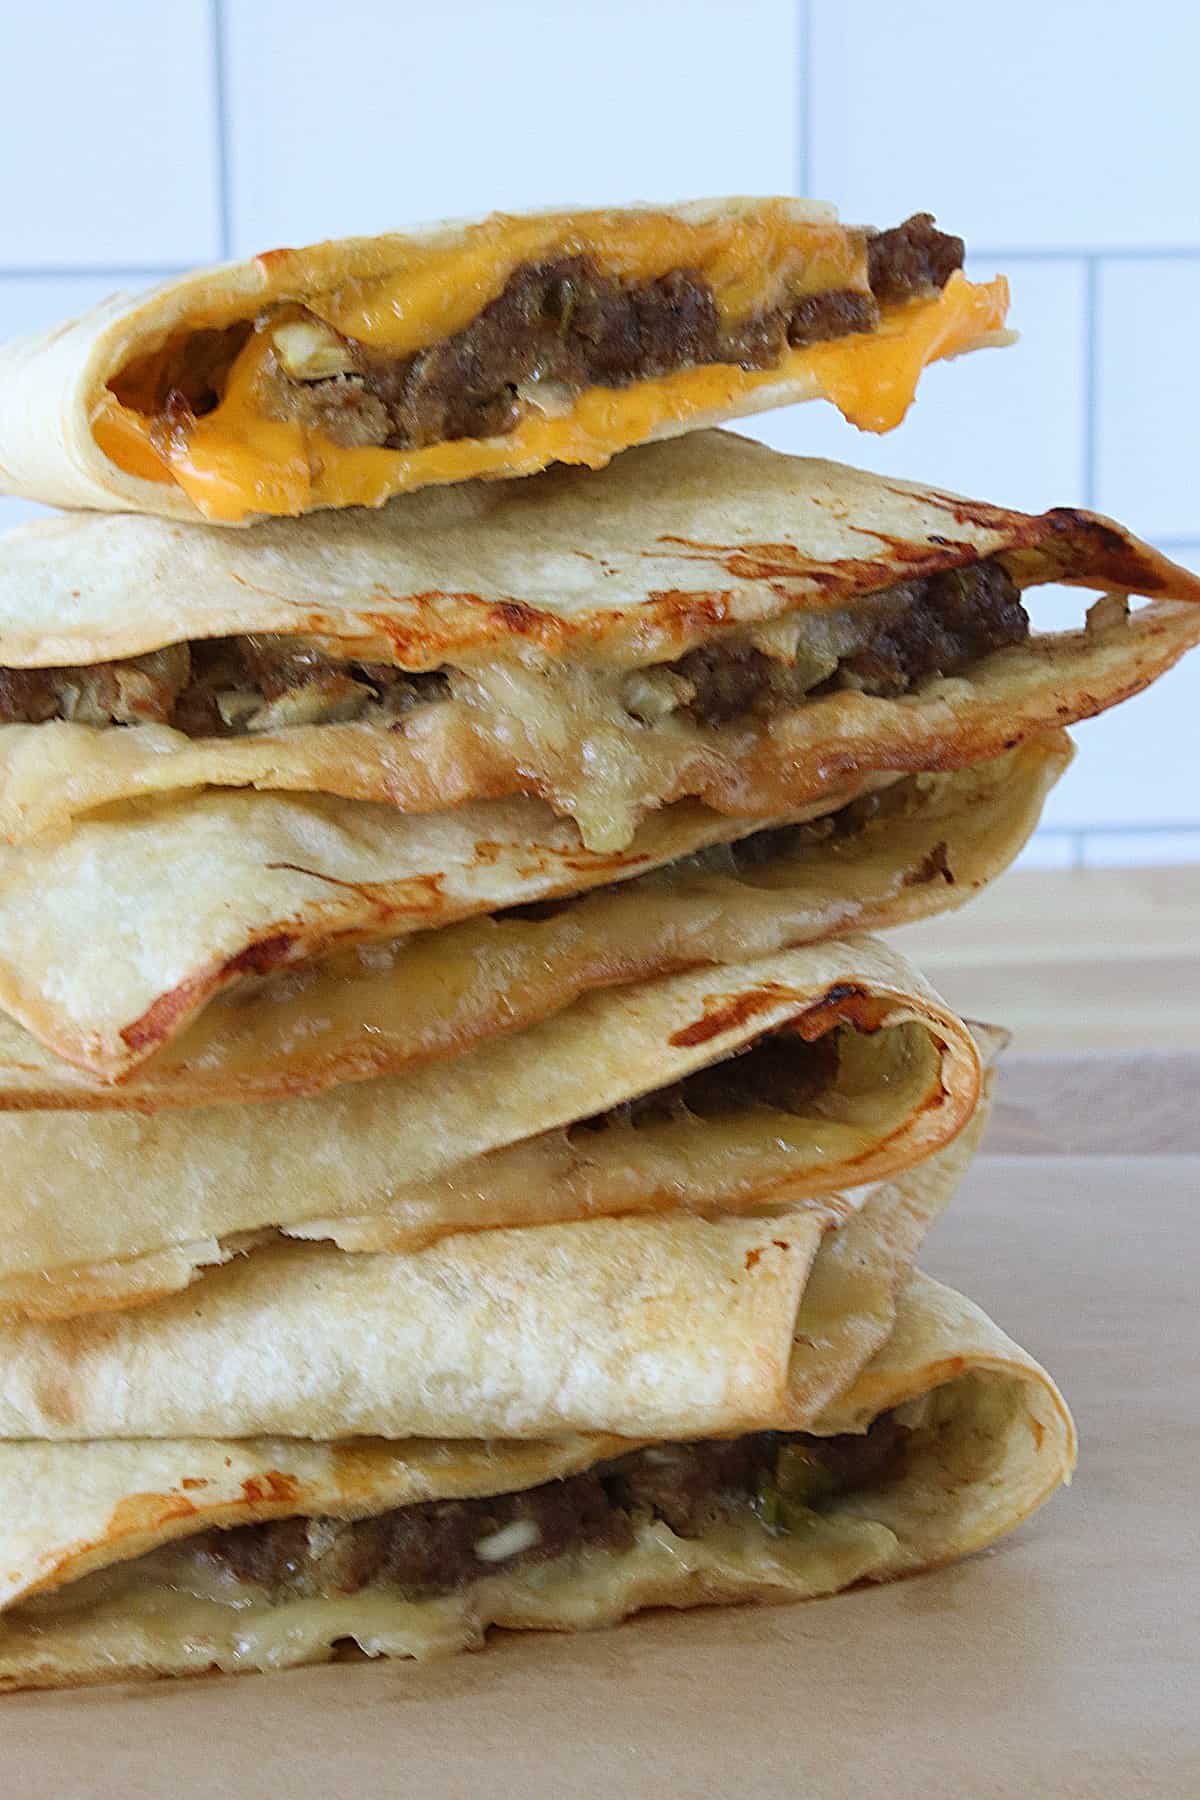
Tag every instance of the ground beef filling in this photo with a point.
(780, 1070)
(222, 687)
(444, 1545)
(556, 328)
(937, 625)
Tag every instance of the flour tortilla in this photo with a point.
(934, 841)
(114, 938)
(993, 1441)
(541, 598)
(486, 1140)
(673, 1326)
(55, 382)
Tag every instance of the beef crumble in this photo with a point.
(264, 683)
(911, 259)
(952, 620)
(780, 1070)
(937, 625)
(442, 1545)
(218, 687)
(138, 691)
(765, 847)
(556, 328)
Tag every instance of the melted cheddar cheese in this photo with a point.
(237, 462)
(750, 258)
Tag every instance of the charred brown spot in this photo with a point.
(843, 1004)
(515, 616)
(168, 1012)
(725, 1013)
(266, 954)
(687, 610)
(272, 1486)
(934, 863)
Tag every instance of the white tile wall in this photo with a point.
(362, 115)
(1042, 123)
(109, 133)
(1148, 392)
(1062, 139)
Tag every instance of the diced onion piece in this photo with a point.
(236, 706)
(1108, 612)
(326, 700)
(310, 351)
(510, 1540)
(553, 399)
(653, 694)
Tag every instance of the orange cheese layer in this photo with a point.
(237, 462)
(751, 258)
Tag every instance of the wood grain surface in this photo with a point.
(1074, 960)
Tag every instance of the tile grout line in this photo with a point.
(1091, 377)
(221, 124)
(803, 97)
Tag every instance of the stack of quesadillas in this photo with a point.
(465, 1158)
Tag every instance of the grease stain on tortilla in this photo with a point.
(359, 1466)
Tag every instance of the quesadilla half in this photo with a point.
(733, 1089)
(923, 844)
(340, 374)
(707, 619)
(674, 1325)
(177, 1556)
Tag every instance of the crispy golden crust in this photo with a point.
(934, 843)
(56, 382)
(1001, 1443)
(542, 601)
(482, 1140)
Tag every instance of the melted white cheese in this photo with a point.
(569, 726)
(173, 1611)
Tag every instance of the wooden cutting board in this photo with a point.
(1061, 1664)
(1074, 960)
